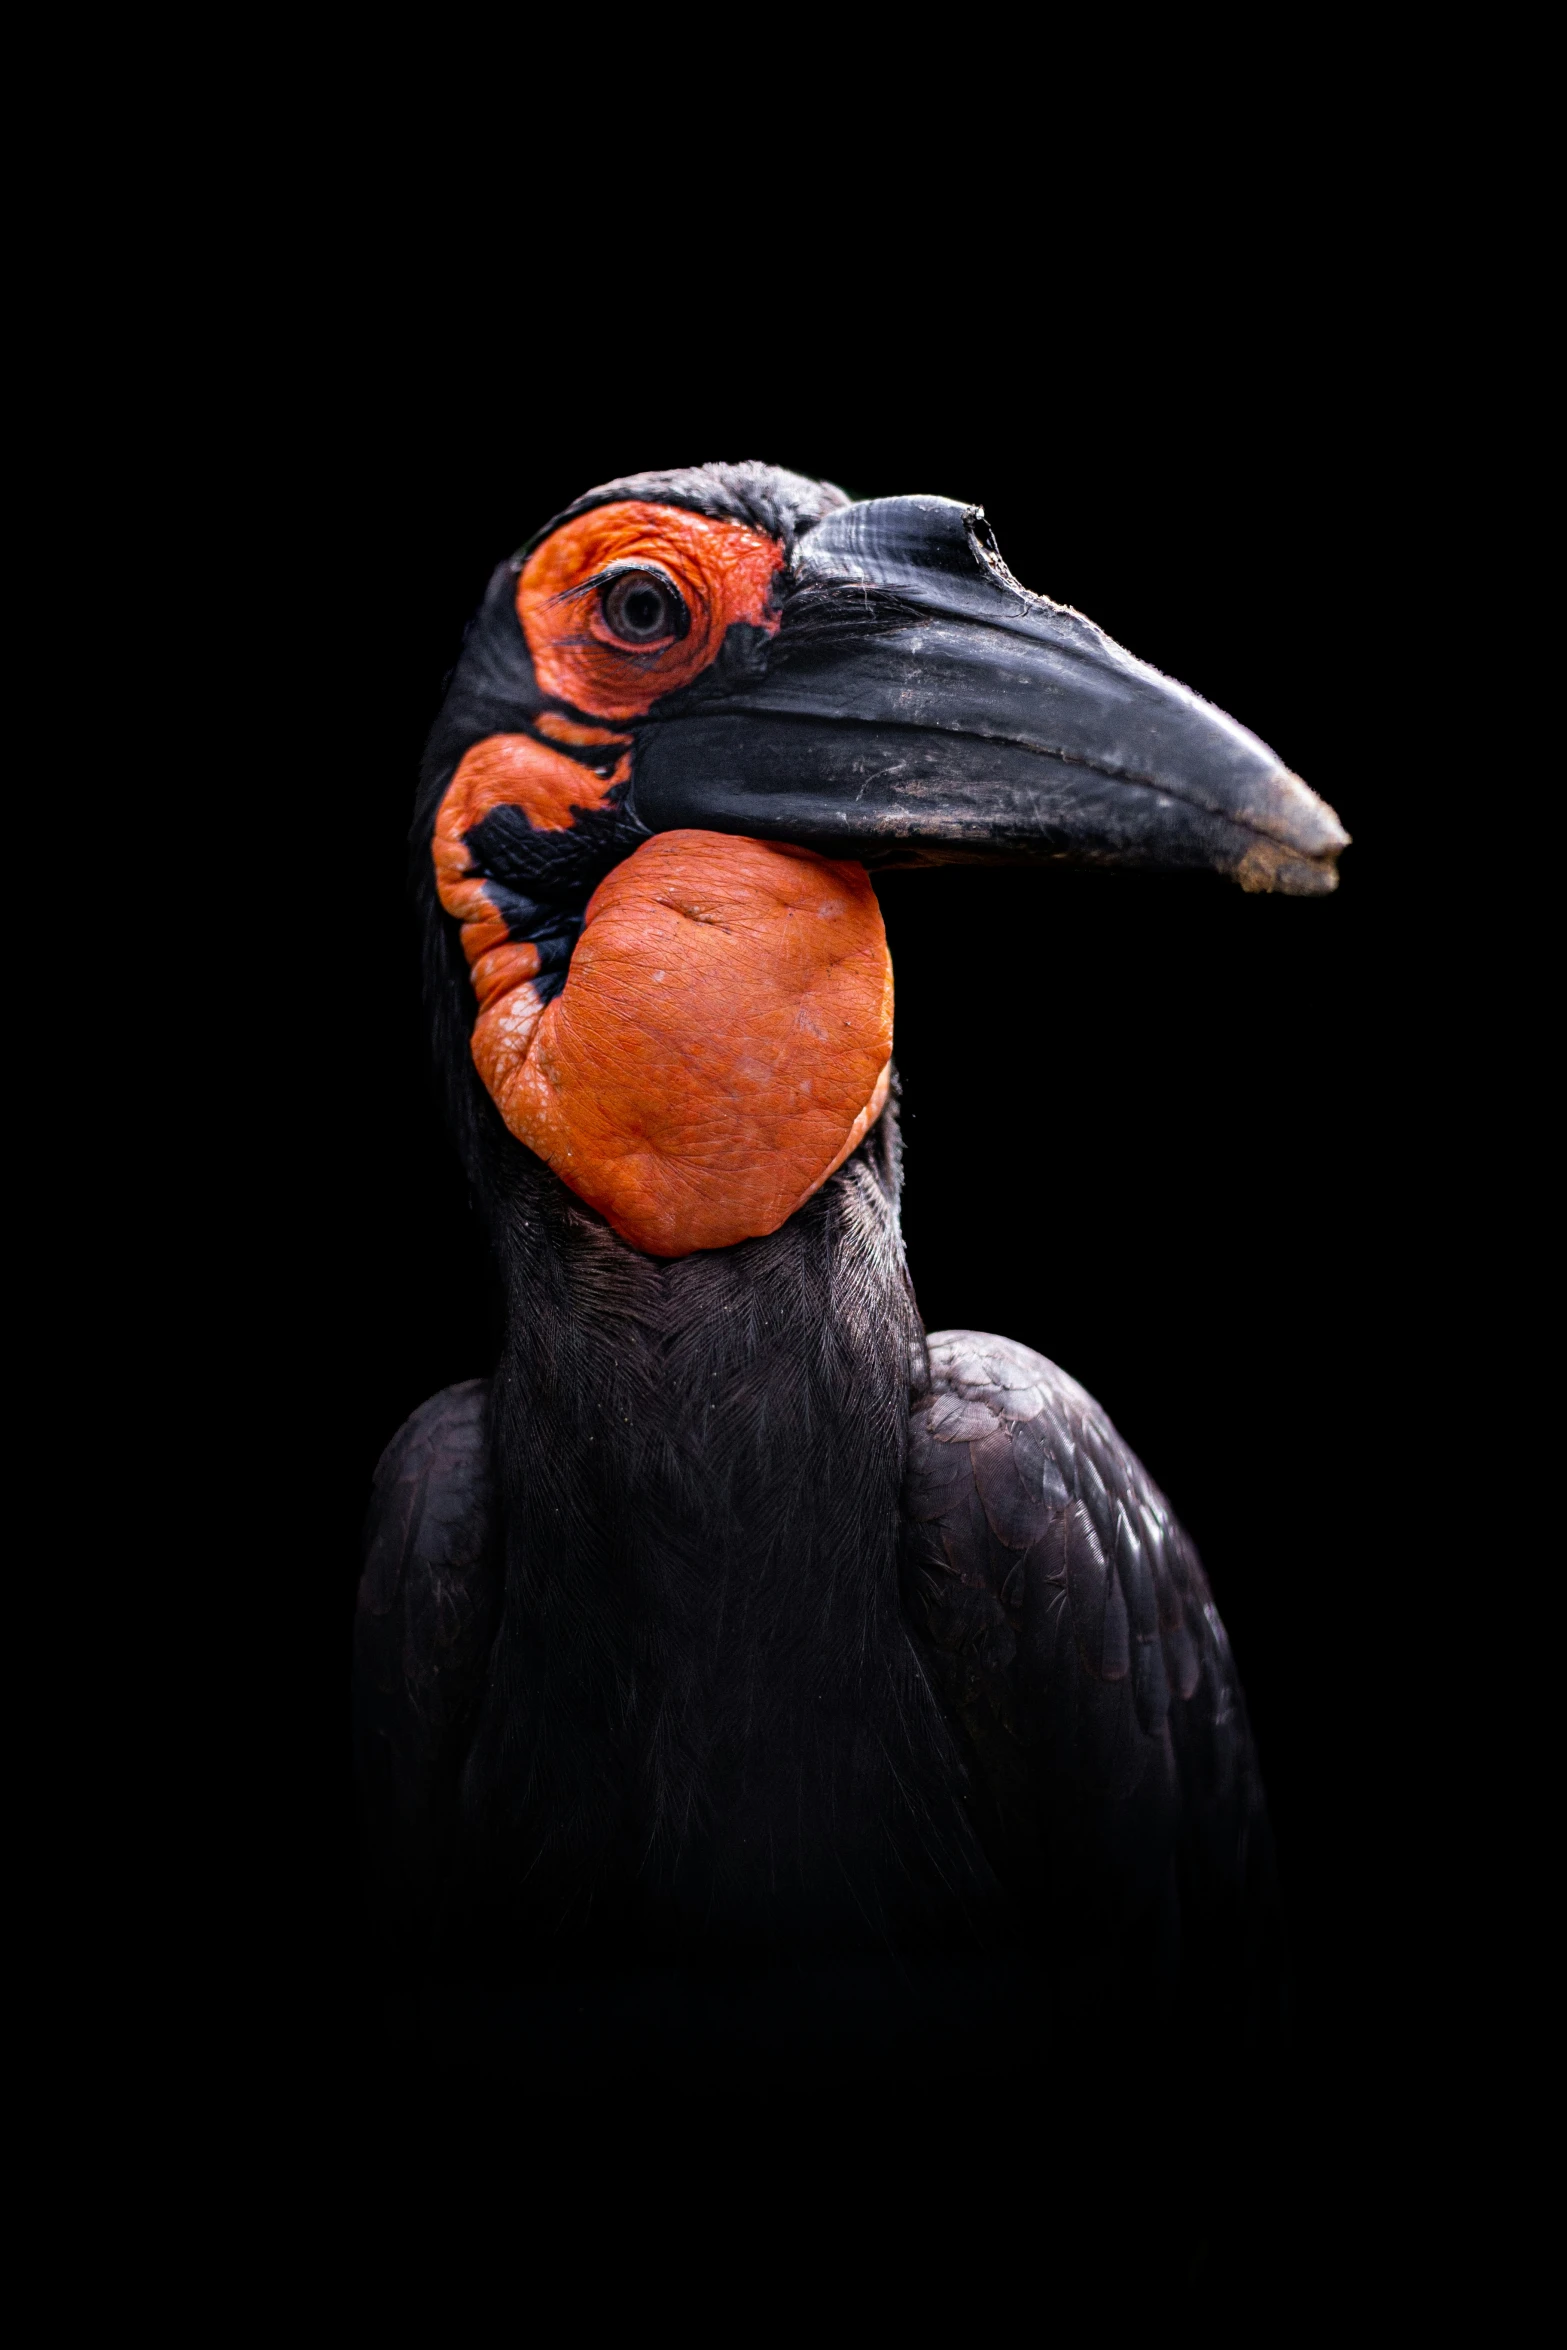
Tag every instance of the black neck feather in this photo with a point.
(705, 1720)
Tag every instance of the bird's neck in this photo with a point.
(702, 1654)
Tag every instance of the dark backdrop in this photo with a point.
(1155, 1128)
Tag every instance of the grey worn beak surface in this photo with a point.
(917, 706)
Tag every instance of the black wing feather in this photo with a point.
(1071, 1633)
(429, 1600)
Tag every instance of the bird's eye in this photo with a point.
(642, 608)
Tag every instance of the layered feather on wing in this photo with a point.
(1071, 1634)
(429, 1599)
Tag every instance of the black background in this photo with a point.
(1177, 1138)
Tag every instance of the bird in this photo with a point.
(737, 1632)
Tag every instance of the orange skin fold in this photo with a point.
(721, 1045)
(723, 1038)
(503, 770)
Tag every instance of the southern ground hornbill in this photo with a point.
(737, 1634)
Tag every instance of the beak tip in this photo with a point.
(1273, 866)
(1295, 851)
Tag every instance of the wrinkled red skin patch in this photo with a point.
(724, 573)
(722, 1041)
(506, 770)
(721, 1045)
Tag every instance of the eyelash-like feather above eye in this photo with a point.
(638, 605)
(614, 622)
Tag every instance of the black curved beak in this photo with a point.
(925, 709)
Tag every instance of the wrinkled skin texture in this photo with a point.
(724, 1037)
(721, 1045)
(724, 574)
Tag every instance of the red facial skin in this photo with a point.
(721, 1044)
(723, 1039)
(724, 573)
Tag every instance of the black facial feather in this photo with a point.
(820, 614)
(763, 497)
(493, 690)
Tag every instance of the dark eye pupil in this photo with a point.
(638, 608)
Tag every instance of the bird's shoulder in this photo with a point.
(1008, 1453)
(428, 1591)
(1069, 1626)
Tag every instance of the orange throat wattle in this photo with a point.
(721, 1044)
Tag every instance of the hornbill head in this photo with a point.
(686, 720)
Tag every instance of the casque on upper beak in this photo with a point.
(917, 706)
